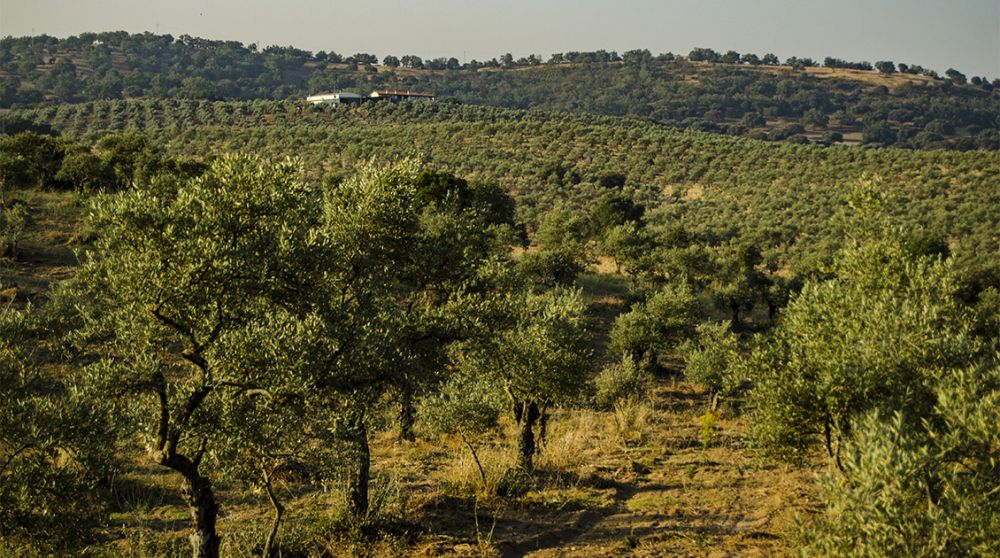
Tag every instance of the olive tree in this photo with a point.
(538, 354)
(927, 489)
(181, 270)
(862, 340)
(655, 325)
(710, 359)
(467, 407)
(459, 228)
(55, 444)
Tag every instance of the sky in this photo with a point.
(961, 34)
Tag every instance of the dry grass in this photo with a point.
(673, 490)
(644, 480)
(46, 253)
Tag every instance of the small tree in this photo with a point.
(955, 76)
(85, 171)
(655, 326)
(628, 244)
(885, 67)
(539, 356)
(710, 358)
(459, 229)
(739, 284)
(467, 408)
(14, 222)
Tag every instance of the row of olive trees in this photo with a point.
(884, 359)
(247, 321)
(884, 366)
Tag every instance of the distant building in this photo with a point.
(343, 97)
(401, 96)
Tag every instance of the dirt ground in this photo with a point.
(660, 478)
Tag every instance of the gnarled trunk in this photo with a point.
(200, 499)
(359, 469)
(526, 442)
(279, 512)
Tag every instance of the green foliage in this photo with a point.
(14, 221)
(629, 244)
(185, 274)
(535, 348)
(462, 406)
(30, 160)
(551, 267)
(739, 283)
(613, 210)
(55, 444)
(927, 488)
(710, 358)
(621, 382)
(85, 171)
(711, 186)
(467, 408)
(655, 326)
(543, 355)
(865, 339)
(131, 157)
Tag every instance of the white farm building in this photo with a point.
(335, 98)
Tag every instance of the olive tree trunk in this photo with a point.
(279, 512)
(359, 469)
(406, 414)
(526, 418)
(200, 499)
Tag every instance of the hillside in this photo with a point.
(720, 93)
(630, 273)
(779, 196)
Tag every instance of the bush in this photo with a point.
(709, 359)
(623, 388)
(14, 220)
(619, 382)
(927, 490)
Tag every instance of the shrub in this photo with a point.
(619, 382)
(623, 387)
(710, 358)
(925, 490)
(14, 220)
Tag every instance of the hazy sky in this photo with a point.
(964, 34)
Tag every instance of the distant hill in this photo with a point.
(738, 94)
